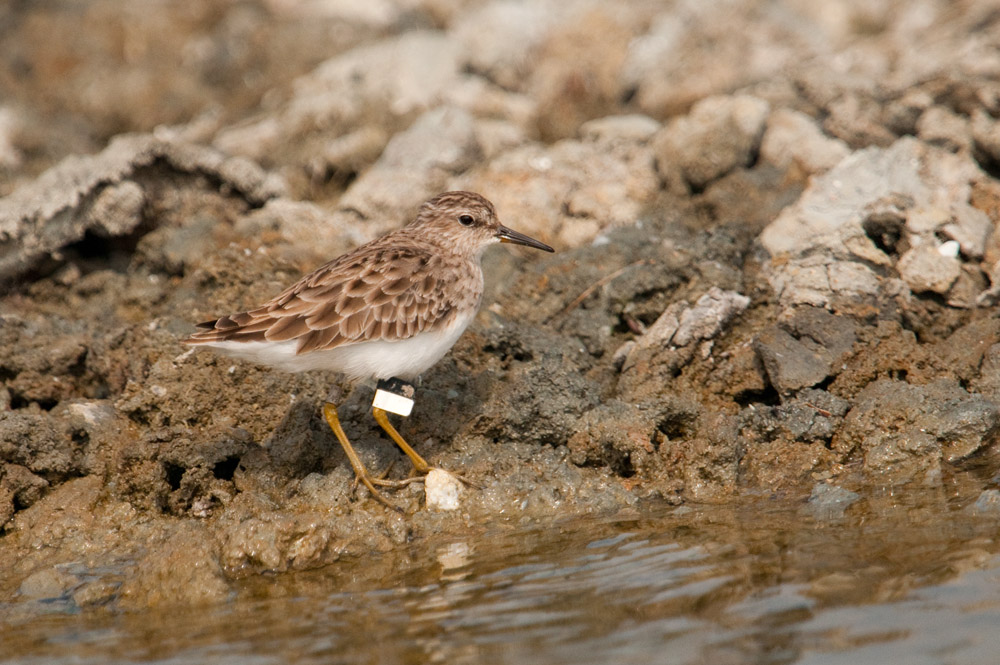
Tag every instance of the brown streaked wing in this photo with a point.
(350, 306)
(286, 328)
(321, 292)
(319, 339)
(263, 324)
(324, 316)
(398, 292)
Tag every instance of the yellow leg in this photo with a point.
(419, 464)
(330, 413)
(382, 418)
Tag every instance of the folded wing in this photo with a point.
(377, 292)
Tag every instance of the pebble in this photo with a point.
(442, 490)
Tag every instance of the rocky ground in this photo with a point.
(776, 268)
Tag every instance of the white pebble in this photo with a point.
(949, 248)
(442, 490)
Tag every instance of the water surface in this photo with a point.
(909, 578)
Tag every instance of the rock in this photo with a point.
(968, 427)
(48, 583)
(378, 14)
(95, 193)
(297, 222)
(350, 153)
(577, 72)
(182, 571)
(490, 103)
(10, 156)
(24, 487)
(39, 443)
(530, 405)
(717, 136)
(986, 132)
(570, 191)
(943, 127)
(904, 430)
(672, 341)
(442, 490)
(864, 212)
(988, 381)
(925, 268)
(712, 459)
(276, 543)
(681, 324)
(627, 129)
(794, 139)
(495, 137)
(709, 316)
(627, 438)
(828, 502)
(971, 229)
(414, 167)
(374, 84)
(813, 416)
(856, 117)
(834, 335)
(59, 519)
(117, 210)
(662, 331)
(500, 40)
(6, 505)
(806, 349)
(790, 364)
(92, 594)
(718, 54)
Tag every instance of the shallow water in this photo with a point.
(910, 578)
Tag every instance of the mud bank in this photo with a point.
(776, 273)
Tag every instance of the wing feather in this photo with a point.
(379, 291)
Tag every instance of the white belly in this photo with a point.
(405, 359)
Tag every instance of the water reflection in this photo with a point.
(762, 582)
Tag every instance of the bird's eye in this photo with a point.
(466, 220)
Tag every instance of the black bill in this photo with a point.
(509, 235)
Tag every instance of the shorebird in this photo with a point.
(389, 309)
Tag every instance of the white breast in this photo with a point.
(378, 359)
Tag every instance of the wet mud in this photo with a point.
(769, 281)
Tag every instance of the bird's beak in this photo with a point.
(509, 235)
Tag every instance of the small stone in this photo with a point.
(719, 135)
(793, 137)
(629, 128)
(941, 126)
(971, 230)
(47, 583)
(621, 354)
(117, 210)
(950, 248)
(828, 502)
(709, 315)
(442, 490)
(95, 593)
(790, 364)
(924, 269)
(352, 152)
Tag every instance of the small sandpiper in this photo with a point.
(389, 309)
